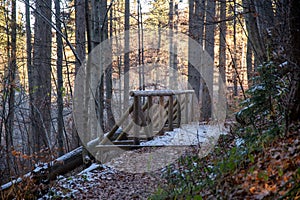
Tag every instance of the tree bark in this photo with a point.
(175, 51)
(29, 58)
(253, 31)
(294, 114)
(41, 91)
(126, 55)
(108, 80)
(80, 27)
(12, 67)
(171, 53)
(222, 51)
(59, 59)
(249, 63)
(234, 62)
(265, 21)
(103, 36)
(80, 34)
(209, 47)
(194, 75)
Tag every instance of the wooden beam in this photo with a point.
(147, 93)
(136, 112)
(170, 113)
(141, 146)
(116, 126)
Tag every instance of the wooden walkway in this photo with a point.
(162, 110)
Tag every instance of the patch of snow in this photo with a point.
(256, 88)
(284, 64)
(190, 134)
(90, 168)
(174, 145)
(239, 142)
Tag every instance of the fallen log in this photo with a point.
(49, 171)
(65, 163)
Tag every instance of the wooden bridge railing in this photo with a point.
(163, 109)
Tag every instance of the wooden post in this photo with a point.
(192, 106)
(170, 113)
(161, 113)
(178, 110)
(149, 121)
(130, 125)
(186, 119)
(136, 111)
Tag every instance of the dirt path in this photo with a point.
(106, 183)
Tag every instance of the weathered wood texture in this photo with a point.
(161, 111)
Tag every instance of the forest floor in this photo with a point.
(235, 169)
(105, 183)
(268, 171)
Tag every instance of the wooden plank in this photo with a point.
(170, 113)
(141, 137)
(129, 126)
(161, 113)
(178, 112)
(149, 129)
(192, 107)
(158, 92)
(116, 126)
(142, 146)
(123, 142)
(186, 118)
(136, 112)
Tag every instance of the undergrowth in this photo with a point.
(258, 159)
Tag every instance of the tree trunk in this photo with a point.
(29, 59)
(253, 31)
(80, 29)
(171, 53)
(294, 114)
(103, 36)
(209, 47)
(235, 64)
(108, 80)
(175, 64)
(265, 20)
(41, 91)
(12, 74)
(222, 51)
(249, 64)
(59, 59)
(196, 33)
(126, 55)
(12, 67)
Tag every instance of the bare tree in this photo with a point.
(294, 97)
(209, 47)
(41, 74)
(126, 55)
(222, 49)
(11, 84)
(171, 48)
(29, 57)
(195, 31)
(80, 35)
(249, 62)
(108, 79)
(80, 31)
(253, 31)
(59, 59)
